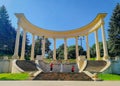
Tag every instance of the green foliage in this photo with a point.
(63, 61)
(27, 48)
(7, 33)
(16, 76)
(109, 77)
(71, 52)
(93, 50)
(60, 52)
(38, 46)
(50, 54)
(93, 58)
(114, 32)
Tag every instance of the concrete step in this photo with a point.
(95, 66)
(62, 76)
(26, 65)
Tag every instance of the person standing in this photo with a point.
(73, 69)
(51, 67)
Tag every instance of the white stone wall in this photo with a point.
(5, 66)
(115, 67)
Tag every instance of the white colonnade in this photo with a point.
(84, 31)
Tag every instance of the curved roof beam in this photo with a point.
(92, 26)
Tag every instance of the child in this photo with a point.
(72, 69)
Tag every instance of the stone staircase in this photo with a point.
(95, 66)
(44, 66)
(56, 67)
(62, 76)
(26, 65)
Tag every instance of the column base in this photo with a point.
(32, 59)
(105, 57)
(67, 61)
(88, 58)
(98, 58)
(15, 57)
(22, 58)
(55, 61)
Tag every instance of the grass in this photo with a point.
(95, 58)
(109, 77)
(16, 76)
(2, 56)
(70, 60)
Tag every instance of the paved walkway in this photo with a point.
(59, 83)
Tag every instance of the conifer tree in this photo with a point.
(7, 33)
(114, 32)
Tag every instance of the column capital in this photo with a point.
(54, 38)
(65, 38)
(86, 34)
(102, 22)
(76, 37)
(33, 34)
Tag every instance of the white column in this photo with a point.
(15, 56)
(54, 52)
(65, 49)
(43, 47)
(104, 42)
(97, 45)
(77, 50)
(88, 48)
(23, 45)
(32, 47)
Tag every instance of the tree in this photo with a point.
(27, 48)
(60, 52)
(7, 33)
(114, 32)
(38, 46)
(93, 49)
(72, 51)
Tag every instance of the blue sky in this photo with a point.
(61, 15)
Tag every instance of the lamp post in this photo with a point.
(81, 38)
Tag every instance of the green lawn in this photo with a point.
(16, 76)
(109, 77)
(70, 60)
(25, 76)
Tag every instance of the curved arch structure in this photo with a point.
(93, 26)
